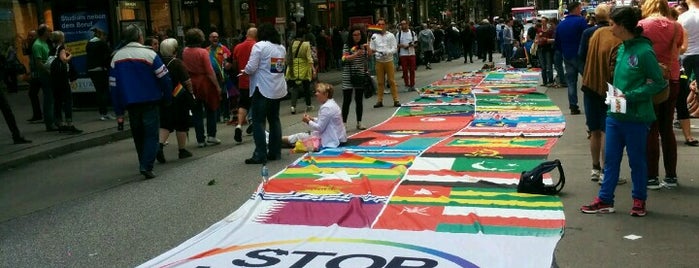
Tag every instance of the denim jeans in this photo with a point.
(144, 120)
(546, 62)
(572, 72)
(633, 136)
(265, 109)
(558, 65)
(507, 52)
(198, 112)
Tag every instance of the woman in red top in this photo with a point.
(661, 30)
(205, 84)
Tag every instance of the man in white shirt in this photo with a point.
(407, 40)
(266, 68)
(383, 45)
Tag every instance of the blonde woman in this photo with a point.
(328, 126)
(61, 78)
(666, 36)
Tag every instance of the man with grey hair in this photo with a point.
(139, 82)
(426, 40)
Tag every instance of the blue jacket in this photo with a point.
(568, 35)
(138, 75)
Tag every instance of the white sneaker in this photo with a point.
(595, 175)
(213, 140)
(293, 110)
(201, 145)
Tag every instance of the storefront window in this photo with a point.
(26, 19)
(190, 15)
(131, 11)
(160, 17)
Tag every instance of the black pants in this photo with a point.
(9, 116)
(303, 88)
(100, 79)
(11, 80)
(468, 51)
(429, 57)
(347, 100)
(34, 88)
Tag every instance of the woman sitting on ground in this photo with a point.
(327, 126)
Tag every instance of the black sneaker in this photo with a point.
(148, 174)
(574, 111)
(653, 184)
(70, 130)
(238, 136)
(249, 129)
(396, 104)
(670, 182)
(184, 154)
(160, 156)
(378, 105)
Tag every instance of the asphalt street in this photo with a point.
(91, 209)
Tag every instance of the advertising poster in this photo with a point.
(77, 29)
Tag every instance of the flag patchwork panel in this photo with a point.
(435, 110)
(439, 100)
(472, 209)
(496, 147)
(423, 123)
(445, 90)
(395, 139)
(344, 211)
(446, 165)
(510, 101)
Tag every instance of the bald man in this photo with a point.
(241, 55)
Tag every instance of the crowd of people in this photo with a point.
(631, 61)
(169, 87)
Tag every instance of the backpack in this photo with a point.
(532, 182)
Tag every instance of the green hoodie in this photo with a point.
(638, 75)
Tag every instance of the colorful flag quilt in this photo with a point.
(435, 185)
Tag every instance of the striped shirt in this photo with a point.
(356, 65)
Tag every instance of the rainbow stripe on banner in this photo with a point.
(441, 173)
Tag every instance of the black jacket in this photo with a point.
(98, 54)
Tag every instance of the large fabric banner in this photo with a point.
(435, 185)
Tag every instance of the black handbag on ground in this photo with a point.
(532, 182)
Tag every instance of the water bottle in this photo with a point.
(265, 173)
